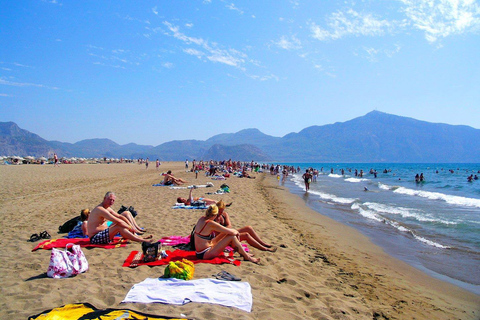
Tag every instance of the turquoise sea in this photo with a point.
(433, 225)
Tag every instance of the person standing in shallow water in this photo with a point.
(307, 178)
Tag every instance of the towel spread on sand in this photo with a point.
(135, 259)
(84, 243)
(87, 311)
(208, 185)
(174, 240)
(175, 291)
(182, 206)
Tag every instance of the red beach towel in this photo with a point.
(135, 259)
(82, 242)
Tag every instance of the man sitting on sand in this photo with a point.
(170, 179)
(100, 233)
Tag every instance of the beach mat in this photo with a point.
(135, 259)
(86, 311)
(190, 207)
(82, 242)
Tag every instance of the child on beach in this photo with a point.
(84, 218)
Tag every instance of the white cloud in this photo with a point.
(373, 54)
(289, 44)
(52, 2)
(194, 52)
(168, 65)
(25, 84)
(5, 95)
(154, 10)
(189, 25)
(231, 6)
(229, 57)
(342, 24)
(21, 65)
(265, 78)
(180, 36)
(442, 18)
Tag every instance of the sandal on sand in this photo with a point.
(45, 235)
(34, 237)
(224, 275)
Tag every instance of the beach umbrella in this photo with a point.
(43, 159)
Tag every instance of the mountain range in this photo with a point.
(374, 137)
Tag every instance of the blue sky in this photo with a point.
(154, 71)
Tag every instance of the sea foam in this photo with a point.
(455, 200)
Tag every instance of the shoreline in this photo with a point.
(369, 256)
(322, 269)
(390, 247)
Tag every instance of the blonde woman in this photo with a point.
(211, 238)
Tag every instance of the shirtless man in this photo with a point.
(169, 179)
(100, 233)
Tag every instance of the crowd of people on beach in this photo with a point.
(310, 175)
(213, 231)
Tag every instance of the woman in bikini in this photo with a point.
(246, 233)
(209, 246)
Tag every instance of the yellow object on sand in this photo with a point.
(180, 269)
(88, 312)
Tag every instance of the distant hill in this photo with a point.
(16, 141)
(242, 151)
(374, 137)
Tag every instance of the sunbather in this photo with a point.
(209, 246)
(100, 233)
(170, 179)
(191, 199)
(246, 233)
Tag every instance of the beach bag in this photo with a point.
(225, 188)
(180, 270)
(68, 262)
(69, 225)
(151, 251)
(131, 209)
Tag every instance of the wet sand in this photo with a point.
(321, 270)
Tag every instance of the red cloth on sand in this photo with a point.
(136, 259)
(82, 242)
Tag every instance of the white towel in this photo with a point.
(175, 291)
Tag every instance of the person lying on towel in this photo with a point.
(188, 201)
(123, 223)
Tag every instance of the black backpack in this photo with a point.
(69, 225)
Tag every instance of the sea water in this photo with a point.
(433, 225)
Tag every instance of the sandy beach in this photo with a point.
(321, 270)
